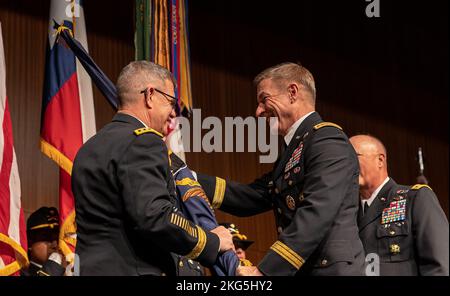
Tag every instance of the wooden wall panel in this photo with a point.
(25, 25)
(388, 77)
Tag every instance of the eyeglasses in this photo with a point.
(173, 100)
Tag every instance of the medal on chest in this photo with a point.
(295, 158)
(395, 212)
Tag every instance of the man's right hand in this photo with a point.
(225, 238)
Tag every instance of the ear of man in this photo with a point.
(381, 160)
(148, 98)
(293, 92)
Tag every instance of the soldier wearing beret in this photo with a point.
(312, 189)
(403, 226)
(43, 253)
(127, 219)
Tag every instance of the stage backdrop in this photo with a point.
(386, 76)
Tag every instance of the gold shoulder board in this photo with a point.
(145, 130)
(323, 124)
(418, 186)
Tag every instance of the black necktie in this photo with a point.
(283, 147)
(366, 207)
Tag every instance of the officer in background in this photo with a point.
(403, 225)
(43, 252)
(312, 189)
(241, 243)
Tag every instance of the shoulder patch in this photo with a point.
(145, 130)
(418, 186)
(324, 124)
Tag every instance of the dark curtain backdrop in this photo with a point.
(386, 76)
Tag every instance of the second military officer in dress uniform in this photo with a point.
(403, 228)
(127, 219)
(313, 188)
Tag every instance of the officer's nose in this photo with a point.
(173, 114)
(260, 110)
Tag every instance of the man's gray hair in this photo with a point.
(135, 77)
(287, 72)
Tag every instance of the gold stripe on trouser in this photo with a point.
(219, 193)
(288, 254)
(201, 243)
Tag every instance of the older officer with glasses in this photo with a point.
(127, 218)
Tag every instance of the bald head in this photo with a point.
(372, 158)
(369, 144)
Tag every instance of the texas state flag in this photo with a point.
(68, 118)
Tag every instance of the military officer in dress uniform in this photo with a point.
(313, 188)
(404, 226)
(127, 219)
(42, 234)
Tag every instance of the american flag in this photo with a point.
(13, 240)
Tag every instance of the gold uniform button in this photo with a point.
(181, 264)
(290, 182)
(391, 232)
(394, 249)
(190, 261)
(277, 191)
(324, 262)
(280, 230)
(163, 274)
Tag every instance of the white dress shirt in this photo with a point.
(291, 131)
(374, 194)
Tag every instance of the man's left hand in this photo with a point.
(248, 271)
